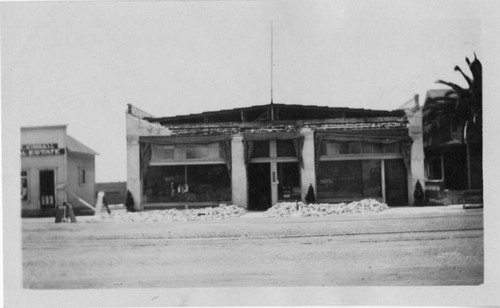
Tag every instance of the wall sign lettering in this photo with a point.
(38, 149)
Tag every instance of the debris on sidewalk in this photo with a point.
(300, 209)
(210, 213)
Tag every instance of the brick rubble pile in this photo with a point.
(209, 213)
(289, 209)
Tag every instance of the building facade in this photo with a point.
(453, 151)
(257, 156)
(55, 168)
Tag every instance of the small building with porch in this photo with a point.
(257, 156)
(54, 168)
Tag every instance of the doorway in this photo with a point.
(289, 188)
(259, 186)
(455, 170)
(396, 190)
(47, 189)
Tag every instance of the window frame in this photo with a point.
(82, 176)
(28, 185)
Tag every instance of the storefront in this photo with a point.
(53, 167)
(255, 157)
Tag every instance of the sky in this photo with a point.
(81, 63)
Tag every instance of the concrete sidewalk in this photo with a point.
(405, 210)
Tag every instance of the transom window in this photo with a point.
(185, 152)
(285, 148)
(329, 148)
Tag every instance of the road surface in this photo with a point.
(412, 249)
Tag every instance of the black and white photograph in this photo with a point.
(249, 153)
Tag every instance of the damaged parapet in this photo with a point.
(136, 112)
(136, 126)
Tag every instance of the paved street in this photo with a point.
(441, 246)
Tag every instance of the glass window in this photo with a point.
(378, 148)
(191, 183)
(367, 148)
(334, 148)
(24, 185)
(343, 148)
(196, 151)
(372, 178)
(168, 152)
(82, 176)
(331, 148)
(339, 179)
(355, 147)
(434, 168)
(185, 151)
(285, 148)
(391, 148)
(349, 179)
(260, 149)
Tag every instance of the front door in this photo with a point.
(47, 191)
(259, 186)
(396, 189)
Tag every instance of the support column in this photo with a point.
(416, 172)
(308, 172)
(238, 173)
(133, 171)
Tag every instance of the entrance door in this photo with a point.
(455, 170)
(47, 195)
(288, 181)
(259, 186)
(396, 186)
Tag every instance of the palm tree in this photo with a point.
(464, 107)
(469, 106)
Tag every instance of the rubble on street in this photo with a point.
(300, 209)
(209, 213)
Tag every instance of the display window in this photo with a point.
(349, 179)
(187, 183)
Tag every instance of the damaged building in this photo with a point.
(257, 156)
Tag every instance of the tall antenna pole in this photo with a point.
(272, 68)
(272, 62)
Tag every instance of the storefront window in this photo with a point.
(349, 179)
(24, 185)
(187, 183)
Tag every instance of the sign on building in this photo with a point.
(38, 149)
